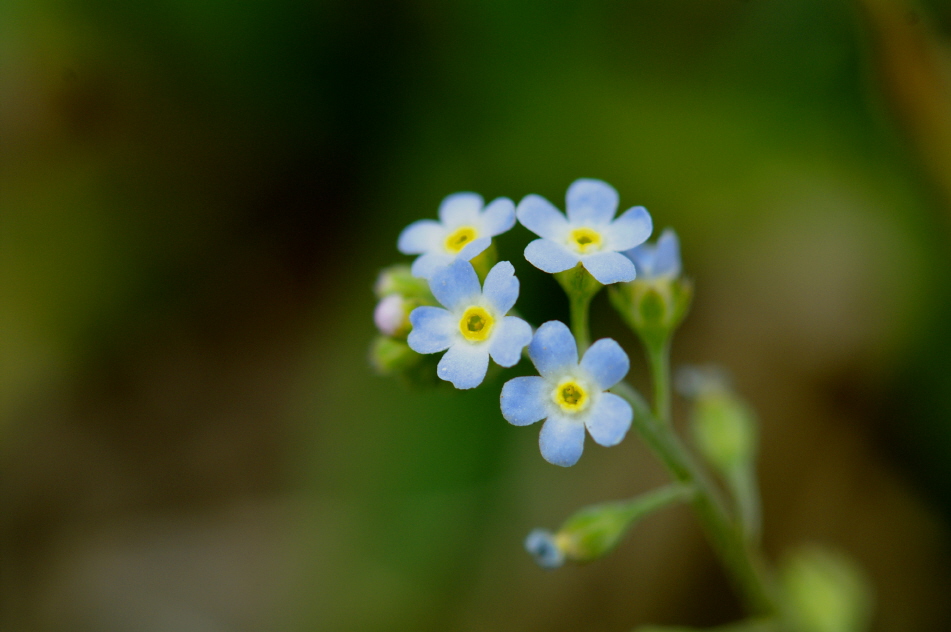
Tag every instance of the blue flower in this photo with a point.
(589, 235)
(571, 395)
(657, 261)
(474, 324)
(463, 231)
(543, 546)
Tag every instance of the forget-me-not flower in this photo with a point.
(543, 546)
(463, 231)
(589, 235)
(474, 324)
(657, 261)
(569, 394)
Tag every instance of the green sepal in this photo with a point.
(594, 531)
(578, 283)
(653, 309)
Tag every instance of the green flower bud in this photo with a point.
(724, 430)
(653, 308)
(397, 279)
(825, 592)
(390, 356)
(594, 531)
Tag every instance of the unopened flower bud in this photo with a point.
(399, 280)
(390, 356)
(825, 592)
(392, 316)
(544, 548)
(594, 531)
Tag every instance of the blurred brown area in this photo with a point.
(194, 201)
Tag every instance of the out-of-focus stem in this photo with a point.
(744, 563)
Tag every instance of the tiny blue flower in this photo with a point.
(541, 544)
(569, 394)
(474, 324)
(463, 231)
(589, 234)
(657, 261)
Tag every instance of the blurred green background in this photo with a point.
(195, 198)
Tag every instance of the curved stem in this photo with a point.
(745, 564)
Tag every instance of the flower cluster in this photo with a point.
(470, 321)
(458, 301)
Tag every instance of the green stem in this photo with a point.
(745, 564)
(659, 357)
(579, 320)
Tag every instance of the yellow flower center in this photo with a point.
(585, 239)
(458, 239)
(476, 324)
(570, 396)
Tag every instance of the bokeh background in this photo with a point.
(196, 198)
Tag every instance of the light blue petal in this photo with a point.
(609, 419)
(434, 329)
(474, 248)
(456, 286)
(553, 349)
(460, 209)
(507, 343)
(464, 365)
(541, 217)
(549, 256)
(606, 363)
(523, 400)
(541, 545)
(501, 287)
(498, 217)
(643, 257)
(667, 257)
(421, 236)
(591, 202)
(428, 264)
(630, 229)
(609, 267)
(561, 440)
